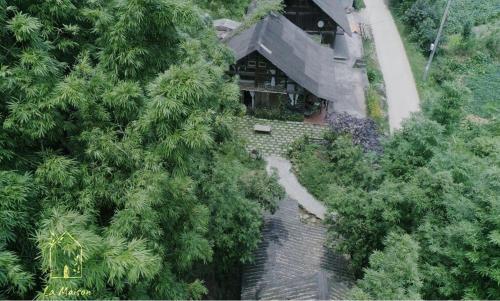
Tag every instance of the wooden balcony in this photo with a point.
(261, 87)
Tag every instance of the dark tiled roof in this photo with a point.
(292, 51)
(335, 9)
(292, 262)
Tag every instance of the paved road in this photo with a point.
(293, 188)
(402, 95)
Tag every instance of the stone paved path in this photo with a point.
(293, 188)
(402, 95)
(282, 135)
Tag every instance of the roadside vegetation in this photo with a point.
(115, 127)
(376, 103)
(420, 220)
(468, 56)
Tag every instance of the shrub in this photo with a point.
(359, 4)
(393, 273)
(448, 110)
(277, 113)
(492, 42)
(374, 106)
(261, 10)
(257, 185)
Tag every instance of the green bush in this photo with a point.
(374, 107)
(439, 187)
(349, 165)
(234, 9)
(393, 273)
(372, 68)
(261, 10)
(258, 186)
(485, 89)
(424, 16)
(359, 4)
(277, 113)
(492, 43)
(448, 109)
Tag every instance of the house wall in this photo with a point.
(255, 70)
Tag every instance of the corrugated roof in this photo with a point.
(292, 50)
(335, 9)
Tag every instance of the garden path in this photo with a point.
(293, 188)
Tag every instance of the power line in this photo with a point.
(436, 42)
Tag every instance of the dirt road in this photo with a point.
(402, 95)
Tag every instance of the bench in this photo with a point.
(262, 128)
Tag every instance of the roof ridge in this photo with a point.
(330, 8)
(292, 50)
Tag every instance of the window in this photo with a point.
(262, 64)
(252, 64)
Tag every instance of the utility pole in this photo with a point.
(436, 42)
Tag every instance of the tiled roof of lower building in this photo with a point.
(293, 263)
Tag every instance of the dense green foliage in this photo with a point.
(233, 9)
(260, 9)
(424, 16)
(484, 88)
(393, 273)
(422, 219)
(469, 53)
(440, 188)
(115, 128)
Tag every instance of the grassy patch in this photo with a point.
(376, 106)
(485, 88)
(372, 68)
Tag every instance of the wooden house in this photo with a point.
(323, 17)
(278, 62)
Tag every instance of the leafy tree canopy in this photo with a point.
(393, 273)
(116, 127)
(438, 185)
